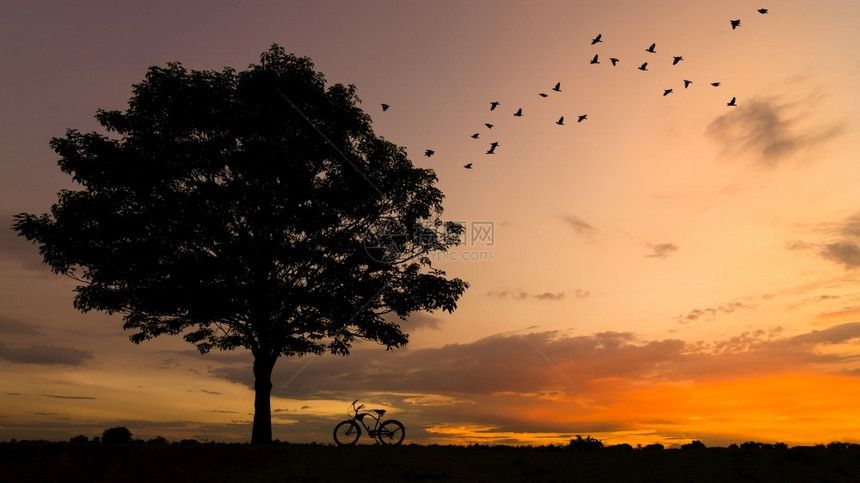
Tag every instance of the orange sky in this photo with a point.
(669, 269)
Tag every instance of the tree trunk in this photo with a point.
(261, 433)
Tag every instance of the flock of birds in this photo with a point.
(594, 60)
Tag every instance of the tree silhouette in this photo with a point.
(117, 435)
(253, 209)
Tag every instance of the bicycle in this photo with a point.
(389, 433)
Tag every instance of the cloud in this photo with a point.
(57, 396)
(544, 297)
(580, 226)
(845, 249)
(13, 327)
(662, 250)
(44, 354)
(711, 312)
(844, 252)
(772, 130)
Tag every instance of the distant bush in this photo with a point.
(79, 439)
(586, 444)
(117, 435)
(653, 447)
(189, 442)
(779, 445)
(157, 440)
(695, 444)
(620, 447)
(751, 445)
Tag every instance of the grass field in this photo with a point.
(92, 462)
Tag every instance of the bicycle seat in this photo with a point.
(379, 411)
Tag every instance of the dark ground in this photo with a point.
(93, 462)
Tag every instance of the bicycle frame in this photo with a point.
(387, 432)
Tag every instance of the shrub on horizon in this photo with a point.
(653, 447)
(695, 444)
(588, 443)
(117, 435)
(79, 439)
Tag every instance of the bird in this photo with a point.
(735, 23)
(596, 39)
(560, 121)
(676, 59)
(429, 153)
(475, 136)
(519, 112)
(493, 146)
(613, 60)
(543, 94)
(582, 118)
(594, 60)
(385, 107)
(643, 66)
(489, 126)
(557, 87)
(651, 49)
(468, 165)
(715, 84)
(761, 11)
(732, 102)
(666, 92)
(687, 83)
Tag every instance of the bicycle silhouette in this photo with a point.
(390, 432)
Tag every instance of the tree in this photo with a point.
(117, 435)
(253, 209)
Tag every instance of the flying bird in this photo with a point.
(676, 59)
(643, 66)
(543, 94)
(651, 49)
(594, 60)
(519, 112)
(582, 118)
(468, 165)
(489, 126)
(687, 83)
(613, 60)
(732, 102)
(475, 136)
(493, 105)
(429, 153)
(735, 23)
(715, 84)
(596, 39)
(666, 92)
(385, 107)
(761, 11)
(493, 146)
(560, 121)
(557, 87)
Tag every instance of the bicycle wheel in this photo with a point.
(346, 433)
(391, 433)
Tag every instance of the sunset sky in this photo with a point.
(671, 268)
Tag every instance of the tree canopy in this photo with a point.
(253, 209)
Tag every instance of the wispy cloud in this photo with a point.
(59, 396)
(45, 354)
(710, 313)
(13, 327)
(580, 226)
(773, 130)
(661, 250)
(544, 297)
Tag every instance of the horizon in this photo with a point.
(669, 269)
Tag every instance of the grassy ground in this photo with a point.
(42, 461)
